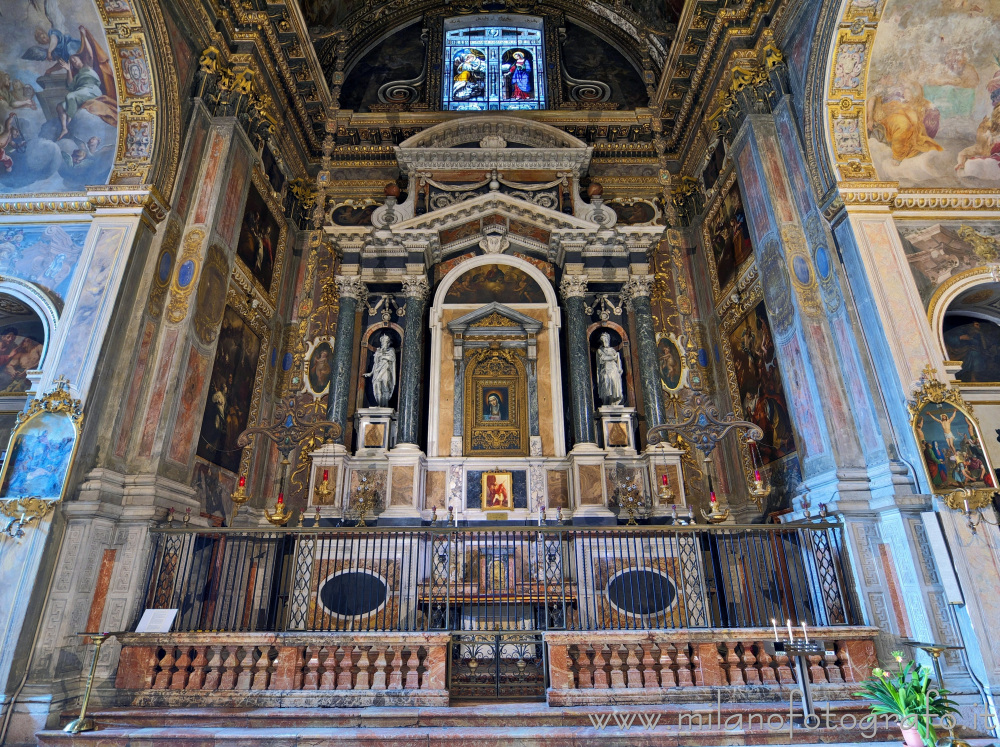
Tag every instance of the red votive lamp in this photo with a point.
(281, 497)
(243, 481)
(326, 475)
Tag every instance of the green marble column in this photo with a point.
(635, 293)
(416, 290)
(573, 289)
(352, 292)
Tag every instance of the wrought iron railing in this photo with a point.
(544, 578)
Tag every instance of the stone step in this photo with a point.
(479, 725)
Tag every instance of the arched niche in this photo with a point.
(970, 333)
(947, 294)
(539, 319)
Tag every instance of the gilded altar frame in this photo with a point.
(496, 404)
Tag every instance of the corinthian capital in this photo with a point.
(351, 286)
(573, 286)
(637, 286)
(416, 286)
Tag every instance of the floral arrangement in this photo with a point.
(908, 695)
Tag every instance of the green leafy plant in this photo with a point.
(907, 694)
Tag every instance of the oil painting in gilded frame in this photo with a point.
(233, 389)
(42, 448)
(727, 235)
(670, 356)
(260, 248)
(951, 447)
(498, 491)
(319, 366)
(496, 405)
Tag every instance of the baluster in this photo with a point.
(784, 672)
(152, 668)
(600, 676)
(816, 673)
(683, 666)
(648, 673)
(166, 669)
(696, 670)
(364, 681)
(764, 660)
(228, 680)
(311, 680)
(749, 660)
(181, 671)
(733, 664)
(214, 669)
(378, 676)
(634, 678)
(844, 661)
(326, 657)
(396, 674)
(412, 676)
(617, 675)
(263, 662)
(197, 679)
(832, 670)
(585, 670)
(245, 677)
(667, 677)
(346, 665)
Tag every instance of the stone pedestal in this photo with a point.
(666, 460)
(589, 496)
(328, 499)
(376, 429)
(618, 427)
(404, 486)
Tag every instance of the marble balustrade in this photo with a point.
(345, 669)
(635, 667)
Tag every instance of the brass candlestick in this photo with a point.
(84, 723)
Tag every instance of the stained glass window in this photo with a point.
(493, 63)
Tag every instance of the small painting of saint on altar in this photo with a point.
(495, 409)
(498, 491)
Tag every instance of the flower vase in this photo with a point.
(911, 736)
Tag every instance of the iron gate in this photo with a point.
(497, 664)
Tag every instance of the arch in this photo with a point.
(35, 299)
(943, 297)
(495, 259)
(463, 130)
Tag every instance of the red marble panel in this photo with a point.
(231, 212)
(158, 395)
(187, 183)
(207, 187)
(750, 179)
(892, 582)
(191, 406)
(101, 591)
(781, 200)
(134, 667)
(134, 388)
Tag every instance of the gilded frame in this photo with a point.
(240, 270)
(495, 369)
(57, 404)
(506, 480)
(933, 394)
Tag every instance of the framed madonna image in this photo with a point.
(952, 448)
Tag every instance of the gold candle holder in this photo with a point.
(281, 514)
(240, 495)
(323, 493)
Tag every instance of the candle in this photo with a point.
(243, 481)
(326, 475)
(774, 625)
(756, 475)
(666, 480)
(791, 637)
(712, 497)
(281, 497)
(804, 633)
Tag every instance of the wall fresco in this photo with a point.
(43, 255)
(58, 102)
(933, 97)
(938, 250)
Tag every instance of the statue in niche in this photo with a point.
(609, 372)
(383, 373)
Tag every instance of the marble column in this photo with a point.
(352, 292)
(636, 293)
(573, 288)
(416, 289)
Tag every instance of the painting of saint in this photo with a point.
(495, 405)
(468, 80)
(19, 353)
(490, 283)
(953, 453)
(259, 236)
(758, 379)
(39, 457)
(320, 368)
(729, 236)
(353, 215)
(230, 392)
(498, 491)
(58, 101)
(637, 213)
(976, 343)
(671, 363)
(518, 71)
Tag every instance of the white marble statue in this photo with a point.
(609, 372)
(383, 373)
